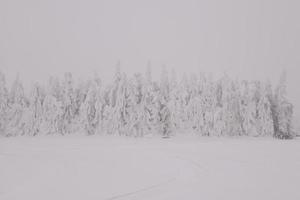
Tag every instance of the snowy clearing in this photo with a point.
(121, 168)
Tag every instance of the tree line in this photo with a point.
(138, 105)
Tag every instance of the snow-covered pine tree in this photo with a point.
(184, 101)
(68, 104)
(174, 102)
(17, 105)
(264, 114)
(233, 116)
(218, 114)
(99, 104)
(3, 105)
(282, 111)
(164, 115)
(261, 116)
(225, 116)
(257, 113)
(56, 91)
(115, 102)
(139, 121)
(247, 107)
(195, 107)
(209, 104)
(49, 116)
(35, 111)
(126, 103)
(107, 117)
(51, 108)
(149, 98)
(88, 110)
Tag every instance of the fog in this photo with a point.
(248, 39)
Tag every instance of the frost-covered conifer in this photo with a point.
(185, 94)
(88, 114)
(164, 115)
(209, 103)
(264, 120)
(68, 103)
(99, 104)
(247, 109)
(150, 105)
(3, 105)
(17, 106)
(174, 103)
(35, 111)
(52, 108)
(139, 106)
(50, 114)
(115, 102)
(283, 112)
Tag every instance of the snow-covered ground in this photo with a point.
(121, 168)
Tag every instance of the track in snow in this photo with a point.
(112, 168)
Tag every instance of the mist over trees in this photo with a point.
(138, 105)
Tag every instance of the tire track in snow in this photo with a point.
(194, 163)
(162, 184)
(146, 189)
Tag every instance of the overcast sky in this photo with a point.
(250, 39)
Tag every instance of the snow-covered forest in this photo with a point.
(139, 105)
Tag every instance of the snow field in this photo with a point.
(109, 168)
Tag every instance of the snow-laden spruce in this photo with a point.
(138, 105)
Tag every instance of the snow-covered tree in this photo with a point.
(234, 118)
(107, 117)
(248, 108)
(68, 103)
(3, 105)
(184, 100)
(35, 112)
(139, 107)
(51, 121)
(282, 111)
(164, 115)
(51, 115)
(17, 106)
(88, 110)
(174, 103)
(264, 114)
(208, 106)
(115, 101)
(150, 101)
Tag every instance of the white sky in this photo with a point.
(250, 39)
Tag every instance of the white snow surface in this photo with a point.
(182, 167)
